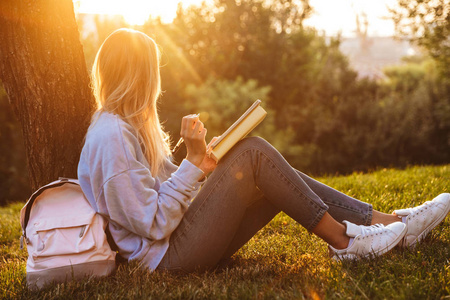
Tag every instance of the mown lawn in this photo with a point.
(283, 261)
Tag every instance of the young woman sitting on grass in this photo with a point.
(126, 173)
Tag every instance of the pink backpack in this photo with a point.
(65, 237)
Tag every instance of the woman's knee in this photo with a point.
(245, 148)
(254, 142)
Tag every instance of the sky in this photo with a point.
(333, 16)
(330, 16)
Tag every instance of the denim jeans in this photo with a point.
(250, 186)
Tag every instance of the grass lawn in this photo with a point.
(282, 261)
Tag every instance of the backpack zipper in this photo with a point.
(83, 229)
(23, 238)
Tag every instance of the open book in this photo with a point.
(240, 129)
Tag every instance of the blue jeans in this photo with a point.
(249, 187)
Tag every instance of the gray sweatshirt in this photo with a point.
(143, 210)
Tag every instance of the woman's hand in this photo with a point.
(193, 133)
(208, 164)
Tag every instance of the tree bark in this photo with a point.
(43, 71)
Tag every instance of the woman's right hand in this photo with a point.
(193, 133)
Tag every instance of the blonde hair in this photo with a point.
(126, 81)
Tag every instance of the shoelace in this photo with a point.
(420, 208)
(371, 230)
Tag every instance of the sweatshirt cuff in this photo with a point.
(198, 184)
(189, 173)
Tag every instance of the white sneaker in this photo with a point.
(420, 220)
(370, 240)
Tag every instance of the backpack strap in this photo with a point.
(119, 258)
(33, 197)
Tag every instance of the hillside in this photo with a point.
(283, 261)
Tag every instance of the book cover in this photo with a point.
(240, 129)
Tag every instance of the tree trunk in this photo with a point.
(43, 71)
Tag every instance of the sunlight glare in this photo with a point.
(339, 16)
(331, 16)
(135, 12)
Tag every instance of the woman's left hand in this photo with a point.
(208, 164)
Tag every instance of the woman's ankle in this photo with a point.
(382, 218)
(341, 243)
(332, 232)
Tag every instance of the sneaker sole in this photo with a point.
(428, 229)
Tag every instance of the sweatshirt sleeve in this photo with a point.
(133, 203)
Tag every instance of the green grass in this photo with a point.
(282, 261)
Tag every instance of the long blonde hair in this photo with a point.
(126, 81)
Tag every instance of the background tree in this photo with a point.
(43, 71)
(427, 23)
(323, 117)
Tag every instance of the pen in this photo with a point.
(180, 141)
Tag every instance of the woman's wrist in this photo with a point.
(196, 160)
